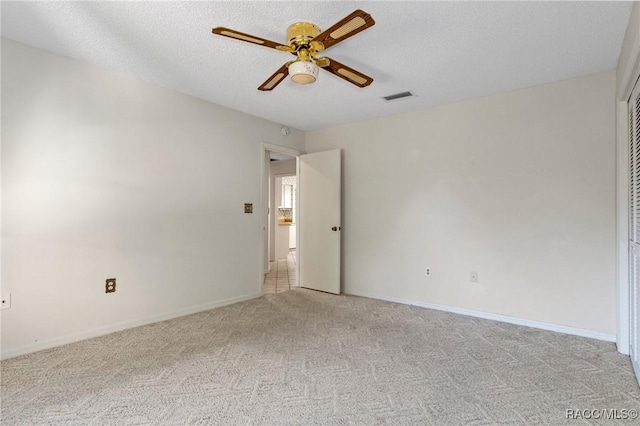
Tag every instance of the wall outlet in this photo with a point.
(473, 277)
(110, 285)
(6, 301)
(427, 271)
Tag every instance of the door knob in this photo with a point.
(336, 228)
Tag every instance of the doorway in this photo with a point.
(317, 261)
(280, 192)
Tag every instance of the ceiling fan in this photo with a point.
(305, 41)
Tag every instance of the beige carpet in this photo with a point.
(303, 357)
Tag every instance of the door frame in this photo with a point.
(627, 78)
(264, 205)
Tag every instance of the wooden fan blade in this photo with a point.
(275, 79)
(345, 28)
(347, 73)
(248, 38)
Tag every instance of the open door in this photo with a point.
(319, 220)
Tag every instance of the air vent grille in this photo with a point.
(398, 96)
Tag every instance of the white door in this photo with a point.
(634, 229)
(319, 221)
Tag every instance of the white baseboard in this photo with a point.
(101, 331)
(496, 317)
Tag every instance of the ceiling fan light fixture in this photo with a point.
(306, 41)
(303, 72)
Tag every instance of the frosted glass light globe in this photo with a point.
(303, 72)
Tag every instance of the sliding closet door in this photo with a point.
(634, 227)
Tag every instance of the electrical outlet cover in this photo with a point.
(110, 285)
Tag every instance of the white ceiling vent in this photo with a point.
(398, 96)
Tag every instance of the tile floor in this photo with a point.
(282, 275)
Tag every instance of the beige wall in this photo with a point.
(519, 187)
(107, 176)
(628, 62)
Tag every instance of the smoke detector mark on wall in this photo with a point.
(398, 96)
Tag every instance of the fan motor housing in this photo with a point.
(301, 33)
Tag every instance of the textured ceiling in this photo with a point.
(442, 51)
